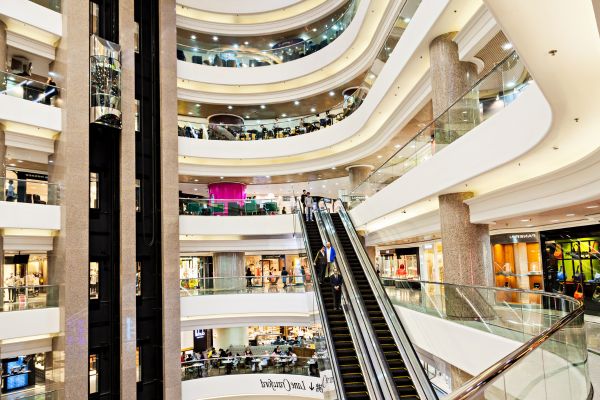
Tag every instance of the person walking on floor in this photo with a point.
(330, 252)
(336, 288)
(321, 264)
(308, 202)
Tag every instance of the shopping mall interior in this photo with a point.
(305, 199)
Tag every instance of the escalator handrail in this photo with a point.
(335, 369)
(401, 338)
(383, 375)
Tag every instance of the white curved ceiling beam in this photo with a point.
(238, 6)
(295, 15)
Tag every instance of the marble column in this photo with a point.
(467, 258)
(69, 259)
(3, 51)
(127, 207)
(2, 185)
(450, 80)
(357, 174)
(229, 265)
(225, 337)
(169, 178)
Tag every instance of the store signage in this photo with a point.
(296, 384)
(199, 333)
(526, 237)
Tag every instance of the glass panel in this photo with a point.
(16, 296)
(94, 280)
(54, 5)
(138, 195)
(138, 364)
(491, 94)
(28, 190)
(138, 278)
(24, 87)
(234, 207)
(94, 190)
(296, 282)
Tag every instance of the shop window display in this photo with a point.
(192, 270)
(94, 280)
(93, 374)
(23, 372)
(402, 263)
(432, 261)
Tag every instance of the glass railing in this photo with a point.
(17, 297)
(50, 395)
(550, 326)
(54, 5)
(299, 283)
(27, 88)
(496, 90)
(242, 364)
(29, 191)
(233, 207)
(242, 55)
(593, 336)
(320, 119)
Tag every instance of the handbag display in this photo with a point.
(577, 276)
(578, 295)
(560, 276)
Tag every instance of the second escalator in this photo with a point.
(401, 376)
(352, 377)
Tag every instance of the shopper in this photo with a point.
(10, 191)
(308, 202)
(248, 277)
(330, 251)
(321, 264)
(336, 288)
(10, 283)
(302, 200)
(50, 91)
(284, 276)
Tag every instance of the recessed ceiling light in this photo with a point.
(337, 183)
(246, 43)
(296, 102)
(271, 44)
(529, 226)
(406, 20)
(195, 189)
(312, 110)
(12, 165)
(197, 105)
(397, 146)
(195, 180)
(524, 220)
(333, 168)
(594, 206)
(247, 116)
(20, 161)
(332, 93)
(379, 156)
(193, 37)
(507, 46)
(190, 113)
(230, 107)
(267, 176)
(570, 215)
(314, 29)
(262, 106)
(50, 161)
(555, 220)
(323, 186)
(215, 38)
(235, 45)
(222, 177)
(284, 115)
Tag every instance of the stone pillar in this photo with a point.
(450, 80)
(3, 50)
(467, 259)
(69, 260)
(228, 265)
(169, 178)
(2, 185)
(357, 174)
(127, 226)
(225, 337)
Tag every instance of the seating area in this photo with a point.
(209, 207)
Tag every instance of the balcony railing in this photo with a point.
(496, 90)
(17, 297)
(245, 55)
(27, 88)
(54, 5)
(249, 364)
(29, 191)
(317, 120)
(301, 283)
(232, 207)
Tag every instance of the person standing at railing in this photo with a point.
(284, 276)
(248, 277)
(336, 287)
(10, 283)
(10, 191)
(308, 203)
(50, 91)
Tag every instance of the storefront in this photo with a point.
(193, 268)
(29, 187)
(400, 263)
(517, 260)
(23, 372)
(574, 253)
(432, 261)
(267, 268)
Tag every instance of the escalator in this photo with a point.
(401, 376)
(352, 378)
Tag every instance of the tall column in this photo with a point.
(127, 226)
(225, 337)
(451, 79)
(2, 183)
(357, 174)
(3, 50)
(169, 178)
(228, 265)
(69, 260)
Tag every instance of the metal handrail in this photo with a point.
(401, 338)
(383, 374)
(335, 369)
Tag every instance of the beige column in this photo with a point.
(458, 377)
(357, 174)
(450, 80)
(2, 186)
(128, 213)
(68, 262)
(169, 201)
(3, 50)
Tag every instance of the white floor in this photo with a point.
(594, 370)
